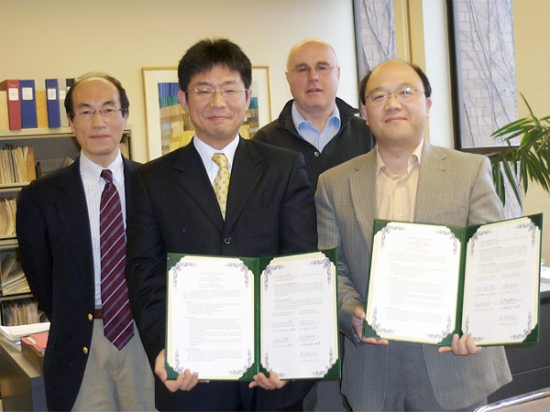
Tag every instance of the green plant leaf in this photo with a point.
(529, 160)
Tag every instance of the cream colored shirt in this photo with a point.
(396, 195)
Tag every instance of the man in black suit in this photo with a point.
(58, 227)
(270, 211)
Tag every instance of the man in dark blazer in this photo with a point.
(316, 123)
(324, 128)
(270, 211)
(59, 242)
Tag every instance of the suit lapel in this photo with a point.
(195, 183)
(245, 175)
(430, 184)
(129, 168)
(73, 213)
(363, 194)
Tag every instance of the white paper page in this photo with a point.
(299, 321)
(501, 285)
(413, 282)
(16, 332)
(211, 317)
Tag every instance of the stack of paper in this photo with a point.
(12, 276)
(21, 312)
(8, 208)
(13, 334)
(17, 165)
(17, 332)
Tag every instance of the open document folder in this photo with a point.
(230, 318)
(428, 282)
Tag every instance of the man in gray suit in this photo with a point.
(405, 178)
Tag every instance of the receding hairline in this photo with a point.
(393, 62)
(302, 43)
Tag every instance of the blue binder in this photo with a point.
(28, 104)
(52, 101)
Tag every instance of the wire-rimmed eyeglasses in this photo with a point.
(207, 93)
(88, 114)
(402, 94)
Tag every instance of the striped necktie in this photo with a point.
(118, 325)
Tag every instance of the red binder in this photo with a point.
(11, 86)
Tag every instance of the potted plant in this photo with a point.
(529, 160)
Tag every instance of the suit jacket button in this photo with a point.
(85, 350)
(316, 154)
(90, 317)
(227, 240)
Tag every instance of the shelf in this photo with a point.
(42, 133)
(12, 187)
(16, 296)
(8, 242)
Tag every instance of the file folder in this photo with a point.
(28, 104)
(11, 86)
(52, 103)
(62, 93)
(41, 109)
(4, 118)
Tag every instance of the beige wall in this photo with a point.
(60, 38)
(64, 38)
(532, 44)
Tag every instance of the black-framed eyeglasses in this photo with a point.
(321, 69)
(402, 94)
(88, 114)
(207, 93)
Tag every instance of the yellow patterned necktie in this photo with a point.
(221, 182)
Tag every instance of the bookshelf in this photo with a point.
(51, 149)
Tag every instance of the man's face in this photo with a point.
(396, 122)
(99, 136)
(216, 117)
(313, 90)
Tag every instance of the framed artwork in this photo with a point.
(169, 127)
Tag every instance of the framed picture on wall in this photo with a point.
(169, 127)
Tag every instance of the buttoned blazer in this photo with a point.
(270, 211)
(454, 188)
(55, 244)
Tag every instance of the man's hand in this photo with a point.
(184, 382)
(463, 346)
(357, 323)
(261, 381)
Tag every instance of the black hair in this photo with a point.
(206, 54)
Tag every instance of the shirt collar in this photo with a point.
(415, 157)
(91, 171)
(206, 152)
(300, 120)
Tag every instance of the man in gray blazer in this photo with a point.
(404, 178)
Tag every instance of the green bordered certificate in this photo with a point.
(229, 318)
(428, 282)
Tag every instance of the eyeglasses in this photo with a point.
(88, 114)
(207, 93)
(402, 94)
(322, 69)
